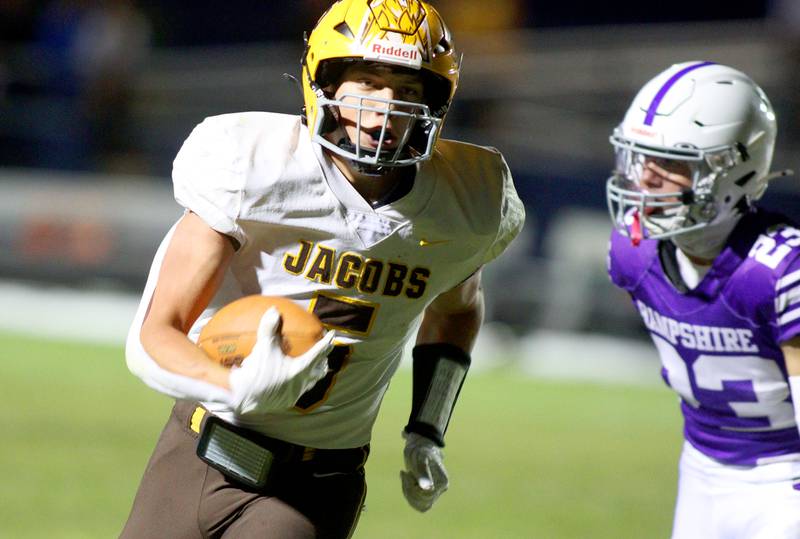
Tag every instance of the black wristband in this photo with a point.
(438, 374)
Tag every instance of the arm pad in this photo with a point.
(438, 374)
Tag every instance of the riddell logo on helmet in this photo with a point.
(395, 53)
(643, 132)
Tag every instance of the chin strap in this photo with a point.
(291, 78)
(367, 169)
(362, 168)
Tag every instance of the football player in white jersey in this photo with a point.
(716, 280)
(357, 210)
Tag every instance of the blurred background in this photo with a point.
(96, 97)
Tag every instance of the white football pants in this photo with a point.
(718, 501)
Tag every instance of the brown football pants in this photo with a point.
(181, 497)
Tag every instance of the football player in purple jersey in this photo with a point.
(716, 280)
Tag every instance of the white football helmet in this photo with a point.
(720, 126)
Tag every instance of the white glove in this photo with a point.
(424, 478)
(269, 380)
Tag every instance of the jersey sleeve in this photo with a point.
(209, 174)
(787, 301)
(512, 215)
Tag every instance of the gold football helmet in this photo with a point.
(408, 35)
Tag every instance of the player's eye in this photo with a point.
(411, 93)
(674, 167)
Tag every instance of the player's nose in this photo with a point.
(379, 109)
(381, 96)
(387, 92)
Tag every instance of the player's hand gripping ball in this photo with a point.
(231, 333)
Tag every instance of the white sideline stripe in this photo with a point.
(786, 280)
(65, 313)
(104, 317)
(588, 357)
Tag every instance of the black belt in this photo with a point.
(247, 456)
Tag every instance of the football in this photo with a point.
(231, 333)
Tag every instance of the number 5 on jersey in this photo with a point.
(349, 316)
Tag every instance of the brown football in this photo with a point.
(231, 333)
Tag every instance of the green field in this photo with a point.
(527, 458)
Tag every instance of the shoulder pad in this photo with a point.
(627, 263)
(481, 180)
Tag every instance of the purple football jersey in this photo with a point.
(719, 343)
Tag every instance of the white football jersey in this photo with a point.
(305, 233)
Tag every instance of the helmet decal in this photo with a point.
(401, 16)
(395, 22)
(652, 110)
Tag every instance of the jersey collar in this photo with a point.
(407, 206)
